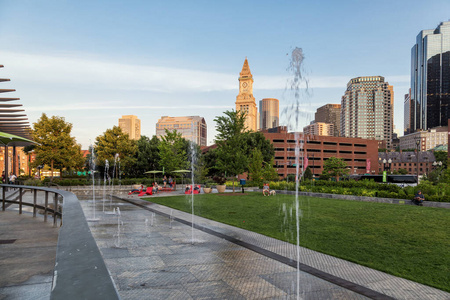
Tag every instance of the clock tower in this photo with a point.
(245, 100)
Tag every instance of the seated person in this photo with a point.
(266, 189)
(187, 189)
(419, 198)
(137, 190)
(156, 187)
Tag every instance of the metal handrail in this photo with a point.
(80, 271)
(54, 211)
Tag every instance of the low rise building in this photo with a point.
(319, 128)
(416, 163)
(361, 155)
(427, 139)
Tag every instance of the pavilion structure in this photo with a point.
(13, 120)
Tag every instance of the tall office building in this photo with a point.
(192, 128)
(245, 100)
(269, 113)
(407, 117)
(330, 113)
(430, 78)
(132, 125)
(367, 109)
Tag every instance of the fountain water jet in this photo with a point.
(193, 156)
(292, 114)
(119, 224)
(93, 219)
(105, 176)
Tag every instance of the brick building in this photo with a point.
(361, 155)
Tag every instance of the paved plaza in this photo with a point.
(153, 253)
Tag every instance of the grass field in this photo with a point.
(408, 241)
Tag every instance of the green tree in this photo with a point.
(147, 156)
(230, 125)
(270, 173)
(308, 174)
(442, 156)
(402, 171)
(255, 167)
(115, 143)
(172, 152)
(232, 158)
(257, 140)
(56, 147)
(335, 167)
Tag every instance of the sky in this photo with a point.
(93, 61)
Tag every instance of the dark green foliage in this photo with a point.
(146, 157)
(308, 174)
(114, 142)
(56, 147)
(173, 152)
(335, 167)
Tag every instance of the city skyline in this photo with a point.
(94, 62)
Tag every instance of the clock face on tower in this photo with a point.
(244, 84)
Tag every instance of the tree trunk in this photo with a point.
(233, 184)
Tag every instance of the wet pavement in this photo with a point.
(152, 253)
(27, 256)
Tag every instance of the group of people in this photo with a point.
(170, 181)
(155, 186)
(12, 177)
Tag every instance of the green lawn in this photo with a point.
(408, 241)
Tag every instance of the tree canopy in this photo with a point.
(56, 147)
(146, 157)
(173, 152)
(232, 158)
(335, 167)
(114, 141)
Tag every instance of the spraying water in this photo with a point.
(193, 158)
(297, 84)
(105, 177)
(92, 163)
(119, 224)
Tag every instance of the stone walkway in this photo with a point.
(152, 254)
(27, 256)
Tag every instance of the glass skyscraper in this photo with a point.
(430, 79)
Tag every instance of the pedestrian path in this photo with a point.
(27, 255)
(152, 253)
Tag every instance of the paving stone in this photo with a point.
(255, 287)
(160, 262)
(157, 277)
(212, 290)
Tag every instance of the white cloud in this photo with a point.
(83, 72)
(89, 73)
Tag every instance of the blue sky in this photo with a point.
(94, 61)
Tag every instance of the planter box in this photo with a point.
(221, 188)
(207, 190)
